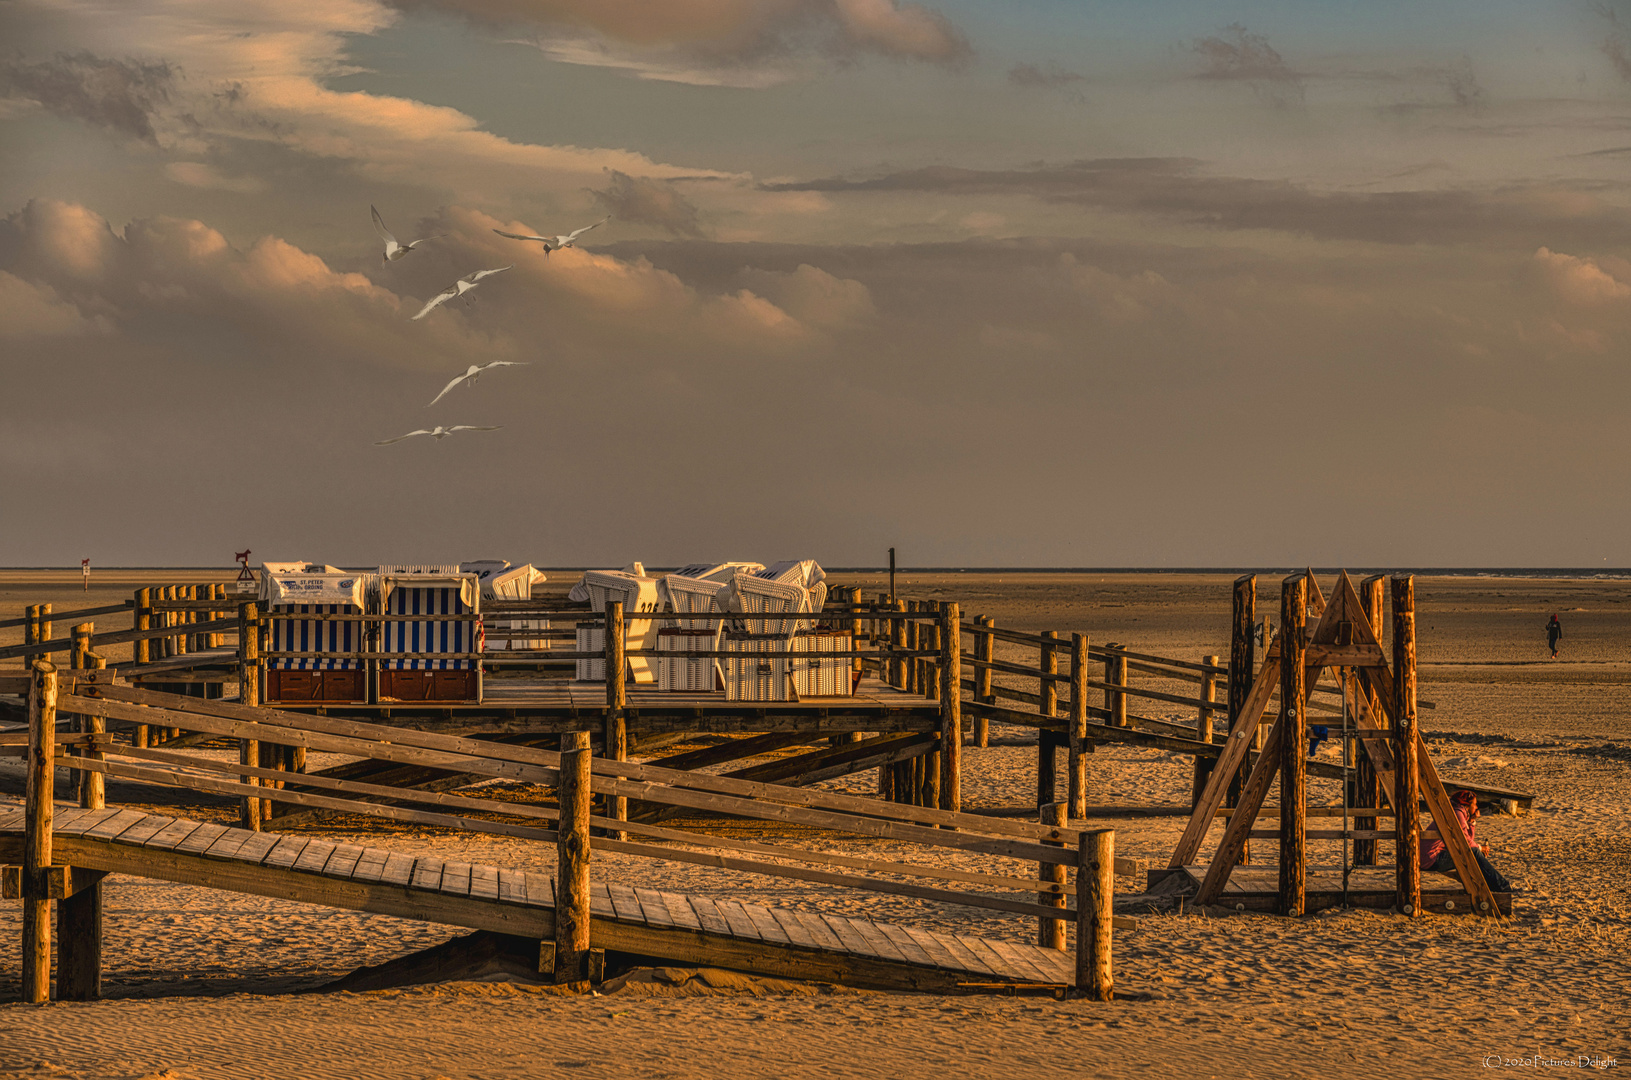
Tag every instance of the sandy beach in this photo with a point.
(211, 984)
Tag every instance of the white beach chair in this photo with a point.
(638, 594)
(499, 581)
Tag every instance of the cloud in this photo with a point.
(1614, 44)
(120, 95)
(1050, 77)
(742, 43)
(201, 175)
(1578, 280)
(1178, 189)
(1237, 54)
(1463, 86)
(29, 310)
(815, 297)
(651, 202)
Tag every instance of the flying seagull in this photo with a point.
(438, 433)
(458, 288)
(555, 243)
(472, 373)
(394, 250)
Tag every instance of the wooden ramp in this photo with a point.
(647, 922)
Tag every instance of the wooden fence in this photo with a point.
(574, 776)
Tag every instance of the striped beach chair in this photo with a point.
(296, 598)
(430, 659)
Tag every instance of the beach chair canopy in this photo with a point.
(392, 578)
(512, 584)
(580, 591)
(325, 585)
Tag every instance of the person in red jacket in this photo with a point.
(1435, 855)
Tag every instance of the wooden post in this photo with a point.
(141, 619)
(1242, 672)
(1293, 746)
(1048, 690)
(951, 708)
(79, 660)
(1076, 767)
(616, 730)
(249, 693)
(1095, 914)
(1203, 730)
(897, 640)
(44, 626)
(1115, 702)
(1367, 785)
(1050, 933)
(39, 795)
(79, 917)
(218, 592)
(914, 642)
(572, 862)
(1407, 781)
(982, 681)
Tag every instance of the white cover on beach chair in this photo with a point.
(752, 594)
(500, 582)
(320, 585)
(580, 591)
(806, 572)
(638, 594)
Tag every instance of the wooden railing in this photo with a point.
(574, 775)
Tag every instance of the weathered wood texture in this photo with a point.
(1293, 745)
(39, 797)
(1407, 785)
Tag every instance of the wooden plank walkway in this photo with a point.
(665, 925)
(1257, 888)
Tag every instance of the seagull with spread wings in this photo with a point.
(458, 288)
(472, 373)
(555, 243)
(394, 250)
(438, 433)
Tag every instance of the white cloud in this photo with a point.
(1578, 280)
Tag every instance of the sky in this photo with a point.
(1039, 282)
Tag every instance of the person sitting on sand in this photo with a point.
(1554, 630)
(1435, 855)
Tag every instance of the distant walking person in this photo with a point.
(1554, 630)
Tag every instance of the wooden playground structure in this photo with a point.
(914, 715)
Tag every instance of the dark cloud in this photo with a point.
(122, 95)
(726, 34)
(1176, 188)
(1614, 45)
(652, 202)
(1240, 55)
(1463, 86)
(1050, 77)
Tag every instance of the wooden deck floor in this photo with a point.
(670, 926)
(1257, 888)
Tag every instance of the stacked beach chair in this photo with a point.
(499, 580)
(694, 588)
(763, 672)
(451, 671)
(638, 594)
(314, 589)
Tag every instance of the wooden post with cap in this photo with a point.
(1407, 779)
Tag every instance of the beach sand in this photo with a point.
(205, 984)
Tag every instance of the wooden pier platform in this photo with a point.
(667, 926)
(1257, 888)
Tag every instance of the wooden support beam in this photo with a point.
(250, 813)
(572, 865)
(983, 644)
(1115, 675)
(951, 708)
(1242, 662)
(1406, 777)
(1095, 918)
(1367, 792)
(616, 734)
(1293, 746)
(1203, 732)
(1050, 933)
(39, 796)
(1076, 762)
(1046, 766)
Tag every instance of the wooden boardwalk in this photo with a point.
(667, 926)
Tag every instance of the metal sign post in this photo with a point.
(246, 577)
(85, 573)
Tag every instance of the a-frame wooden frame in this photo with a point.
(1344, 642)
